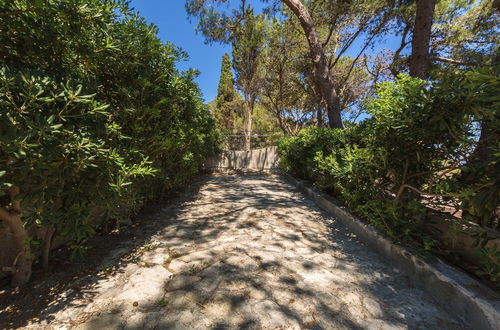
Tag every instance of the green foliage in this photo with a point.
(490, 259)
(466, 30)
(265, 122)
(228, 101)
(53, 147)
(352, 169)
(481, 174)
(410, 156)
(248, 44)
(299, 152)
(96, 119)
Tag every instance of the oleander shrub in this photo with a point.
(300, 151)
(419, 149)
(96, 120)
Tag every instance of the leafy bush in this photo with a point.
(96, 119)
(410, 155)
(300, 151)
(480, 175)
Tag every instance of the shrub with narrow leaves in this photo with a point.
(419, 149)
(96, 120)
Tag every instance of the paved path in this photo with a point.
(246, 252)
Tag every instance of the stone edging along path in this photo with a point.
(454, 290)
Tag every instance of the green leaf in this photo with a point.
(56, 127)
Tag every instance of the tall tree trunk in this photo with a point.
(419, 60)
(248, 134)
(279, 117)
(21, 270)
(322, 72)
(248, 125)
(319, 117)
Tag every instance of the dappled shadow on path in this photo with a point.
(71, 282)
(247, 252)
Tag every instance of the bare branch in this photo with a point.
(330, 33)
(402, 46)
(349, 43)
(451, 61)
(426, 194)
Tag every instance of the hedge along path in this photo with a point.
(248, 251)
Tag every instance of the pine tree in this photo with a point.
(227, 97)
(248, 44)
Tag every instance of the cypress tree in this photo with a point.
(227, 97)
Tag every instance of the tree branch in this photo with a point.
(451, 61)
(374, 33)
(424, 193)
(330, 33)
(349, 43)
(402, 46)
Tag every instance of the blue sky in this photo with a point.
(171, 18)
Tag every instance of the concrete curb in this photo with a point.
(455, 291)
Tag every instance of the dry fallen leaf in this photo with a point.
(310, 324)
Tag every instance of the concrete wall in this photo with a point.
(259, 159)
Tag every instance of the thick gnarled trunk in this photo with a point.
(21, 269)
(419, 60)
(322, 74)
